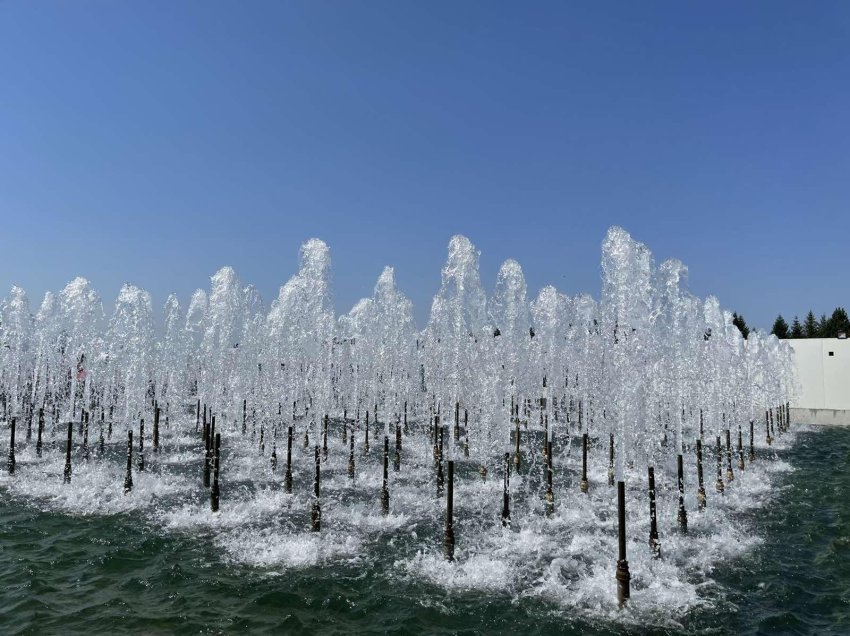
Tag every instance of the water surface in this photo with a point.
(80, 572)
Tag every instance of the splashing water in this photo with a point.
(643, 374)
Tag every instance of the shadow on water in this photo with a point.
(102, 574)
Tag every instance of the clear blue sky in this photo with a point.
(153, 142)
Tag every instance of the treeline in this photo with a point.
(838, 323)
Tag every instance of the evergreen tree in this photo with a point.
(838, 323)
(741, 324)
(810, 326)
(823, 326)
(780, 327)
(796, 328)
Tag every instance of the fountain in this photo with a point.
(544, 392)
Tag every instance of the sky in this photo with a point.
(154, 142)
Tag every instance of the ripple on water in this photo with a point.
(770, 556)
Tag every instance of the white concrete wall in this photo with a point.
(824, 378)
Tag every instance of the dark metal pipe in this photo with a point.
(215, 491)
(440, 478)
(767, 428)
(66, 477)
(316, 512)
(683, 514)
(623, 576)
(517, 457)
(584, 485)
(701, 490)
(101, 442)
(544, 422)
(288, 477)
(351, 453)
(506, 489)
(730, 476)
(10, 465)
(465, 433)
(550, 493)
(325, 439)
(385, 491)
(740, 449)
(128, 479)
(397, 459)
(752, 446)
(654, 543)
(719, 453)
(449, 541)
(85, 419)
(142, 445)
(206, 471)
(38, 443)
(772, 430)
(156, 429)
